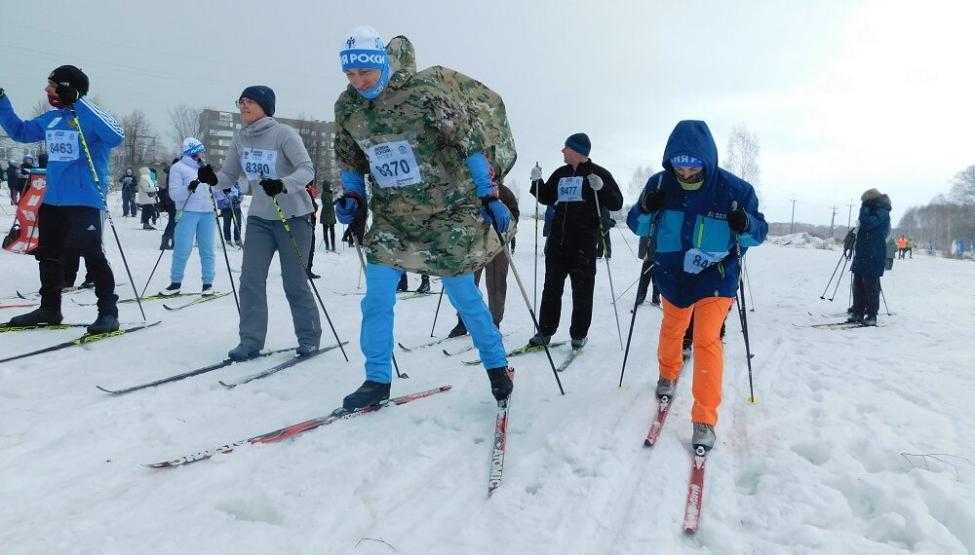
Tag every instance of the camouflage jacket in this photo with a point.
(426, 216)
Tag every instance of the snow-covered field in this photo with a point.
(861, 440)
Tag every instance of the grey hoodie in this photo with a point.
(275, 150)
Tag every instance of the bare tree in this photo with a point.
(963, 186)
(638, 180)
(141, 147)
(186, 123)
(743, 153)
(40, 107)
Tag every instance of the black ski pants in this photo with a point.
(578, 263)
(80, 227)
(866, 295)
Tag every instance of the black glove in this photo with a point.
(192, 186)
(207, 175)
(738, 221)
(2, 92)
(67, 95)
(272, 187)
(652, 201)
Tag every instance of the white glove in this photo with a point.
(536, 172)
(595, 182)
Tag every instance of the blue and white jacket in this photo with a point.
(695, 256)
(69, 179)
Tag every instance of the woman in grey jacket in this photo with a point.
(276, 165)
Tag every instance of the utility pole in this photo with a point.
(832, 223)
(792, 226)
(849, 215)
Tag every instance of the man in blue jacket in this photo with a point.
(71, 212)
(869, 256)
(701, 217)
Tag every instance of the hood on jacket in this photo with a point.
(402, 61)
(693, 138)
(874, 197)
(143, 170)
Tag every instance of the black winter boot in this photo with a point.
(42, 315)
(459, 330)
(105, 323)
(369, 393)
(501, 384)
(403, 285)
(424, 284)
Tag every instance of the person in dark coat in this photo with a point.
(13, 181)
(869, 256)
(328, 216)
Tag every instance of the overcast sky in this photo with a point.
(844, 95)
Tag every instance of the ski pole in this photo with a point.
(839, 280)
(362, 269)
(108, 213)
(884, 297)
(301, 262)
(524, 295)
(625, 242)
(230, 274)
(748, 281)
(437, 313)
(828, 283)
(535, 286)
(742, 313)
(609, 272)
(629, 334)
(153, 272)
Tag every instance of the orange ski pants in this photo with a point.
(709, 313)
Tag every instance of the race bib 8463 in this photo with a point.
(62, 145)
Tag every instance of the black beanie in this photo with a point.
(72, 77)
(261, 94)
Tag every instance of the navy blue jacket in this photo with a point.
(871, 245)
(696, 222)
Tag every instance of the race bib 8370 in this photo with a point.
(570, 189)
(62, 145)
(259, 163)
(393, 164)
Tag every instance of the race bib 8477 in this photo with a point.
(570, 189)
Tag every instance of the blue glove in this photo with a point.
(347, 207)
(495, 213)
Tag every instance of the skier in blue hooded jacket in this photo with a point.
(70, 215)
(701, 216)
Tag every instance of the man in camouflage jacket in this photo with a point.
(434, 199)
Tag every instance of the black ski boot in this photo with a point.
(501, 384)
(105, 323)
(459, 330)
(242, 352)
(424, 284)
(42, 315)
(369, 393)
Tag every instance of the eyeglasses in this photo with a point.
(244, 101)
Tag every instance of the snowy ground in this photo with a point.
(819, 464)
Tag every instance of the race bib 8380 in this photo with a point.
(259, 163)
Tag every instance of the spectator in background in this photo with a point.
(146, 197)
(328, 216)
(166, 203)
(310, 187)
(13, 181)
(230, 212)
(130, 184)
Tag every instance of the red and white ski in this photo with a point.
(500, 441)
(663, 409)
(695, 492)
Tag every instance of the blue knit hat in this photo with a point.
(261, 94)
(192, 146)
(580, 143)
(685, 161)
(364, 50)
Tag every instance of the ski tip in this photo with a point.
(109, 391)
(401, 346)
(227, 385)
